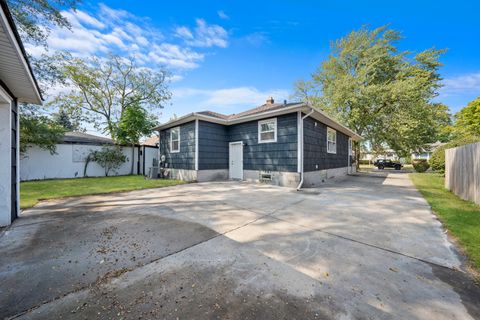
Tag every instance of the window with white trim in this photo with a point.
(331, 141)
(267, 130)
(350, 147)
(175, 140)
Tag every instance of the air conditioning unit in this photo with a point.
(153, 173)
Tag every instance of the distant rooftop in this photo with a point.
(85, 138)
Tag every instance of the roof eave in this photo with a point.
(22, 54)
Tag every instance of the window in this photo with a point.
(175, 140)
(350, 147)
(331, 141)
(267, 130)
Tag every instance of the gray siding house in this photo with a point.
(286, 144)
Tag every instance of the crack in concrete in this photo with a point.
(370, 245)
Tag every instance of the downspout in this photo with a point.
(300, 128)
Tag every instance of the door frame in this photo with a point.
(241, 158)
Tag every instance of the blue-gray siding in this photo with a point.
(275, 156)
(315, 148)
(212, 146)
(185, 159)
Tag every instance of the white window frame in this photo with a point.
(274, 120)
(171, 140)
(334, 141)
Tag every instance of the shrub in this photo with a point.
(109, 158)
(438, 157)
(420, 165)
(365, 162)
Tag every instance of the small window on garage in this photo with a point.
(267, 130)
(175, 140)
(331, 141)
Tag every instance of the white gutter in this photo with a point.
(300, 128)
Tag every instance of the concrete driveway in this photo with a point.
(367, 247)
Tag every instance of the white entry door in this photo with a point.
(235, 159)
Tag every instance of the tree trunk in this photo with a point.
(133, 158)
(357, 155)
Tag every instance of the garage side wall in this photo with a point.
(185, 159)
(68, 162)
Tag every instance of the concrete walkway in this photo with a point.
(367, 247)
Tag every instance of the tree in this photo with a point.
(378, 91)
(34, 20)
(134, 124)
(468, 120)
(40, 131)
(109, 158)
(104, 89)
(68, 122)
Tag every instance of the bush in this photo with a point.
(420, 165)
(438, 157)
(364, 162)
(109, 158)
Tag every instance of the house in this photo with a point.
(70, 157)
(427, 151)
(287, 144)
(17, 85)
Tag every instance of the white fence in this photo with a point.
(69, 162)
(462, 171)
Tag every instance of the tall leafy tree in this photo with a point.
(467, 120)
(67, 121)
(382, 93)
(34, 20)
(102, 89)
(135, 123)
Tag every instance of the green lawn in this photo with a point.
(33, 191)
(461, 218)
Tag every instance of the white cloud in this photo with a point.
(88, 19)
(245, 97)
(120, 32)
(204, 35)
(175, 56)
(464, 83)
(184, 33)
(223, 15)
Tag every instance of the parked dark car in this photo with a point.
(387, 163)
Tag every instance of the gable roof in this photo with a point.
(264, 111)
(15, 70)
(85, 138)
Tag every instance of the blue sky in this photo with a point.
(228, 56)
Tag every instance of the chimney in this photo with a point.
(270, 100)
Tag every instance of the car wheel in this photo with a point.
(397, 167)
(380, 167)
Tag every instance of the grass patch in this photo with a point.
(33, 191)
(460, 217)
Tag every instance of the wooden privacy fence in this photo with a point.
(462, 171)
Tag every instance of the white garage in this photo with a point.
(17, 85)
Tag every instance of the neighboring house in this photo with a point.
(70, 158)
(388, 154)
(283, 144)
(17, 84)
(427, 151)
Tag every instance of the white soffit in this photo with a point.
(14, 70)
